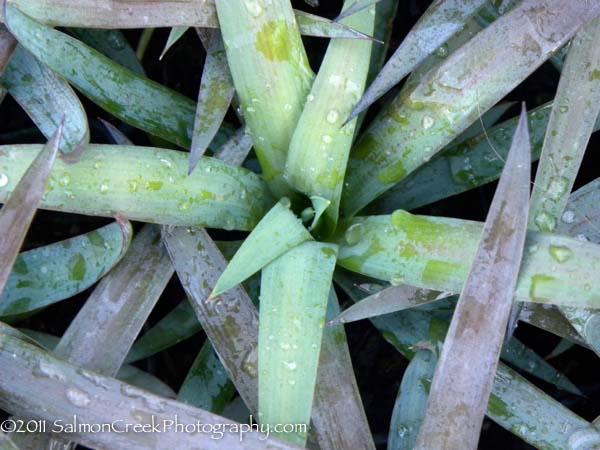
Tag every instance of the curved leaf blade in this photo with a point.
(278, 232)
(76, 263)
(145, 184)
(22, 203)
(294, 292)
(28, 81)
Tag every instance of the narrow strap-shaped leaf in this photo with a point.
(111, 43)
(563, 346)
(317, 26)
(523, 358)
(294, 291)
(337, 387)
(549, 318)
(28, 81)
(451, 96)
(120, 14)
(174, 35)
(118, 307)
(127, 373)
(356, 7)
(19, 208)
(235, 150)
(7, 46)
(206, 385)
(277, 232)
(398, 298)
(134, 99)
(6, 443)
(472, 163)
(392, 299)
(58, 271)
(574, 112)
(514, 403)
(214, 97)
(50, 389)
(163, 13)
(271, 75)
(230, 321)
(443, 19)
(465, 372)
(136, 377)
(318, 154)
(436, 253)
(145, 184)
(581, 219)
(410, 404)
(180, 323)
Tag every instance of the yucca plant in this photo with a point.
(188, 281)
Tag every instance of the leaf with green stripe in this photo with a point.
(214, 96)
(55, 272)
(318, 154)
(411, 401)
(145, 184)
(28, 81)
(294, 292)
(177, 325)
(63, 391)
(206, 385)
(441, 20)
(134, 99)
(271, 75)
(436, 253)
(111, 43)
(277, 232)
(514, 404)
(420, 122)
(20, 206)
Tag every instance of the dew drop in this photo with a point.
(332, 116)
(397, 280)
(560, 253)
(290, 365)
(326, 139)
(354, 233)
(563, 109)
(291, 382)
(442, 51)
(253, 8)
(545, 222)
(47, 370)
(3, 180)
(104, 187)
(568, 217)
(64, 180)
(77, 397)
(183, 206)
(428, 122)
(558, 187)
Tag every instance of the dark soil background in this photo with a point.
(378, 366)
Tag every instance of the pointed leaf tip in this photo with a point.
(18, 211)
